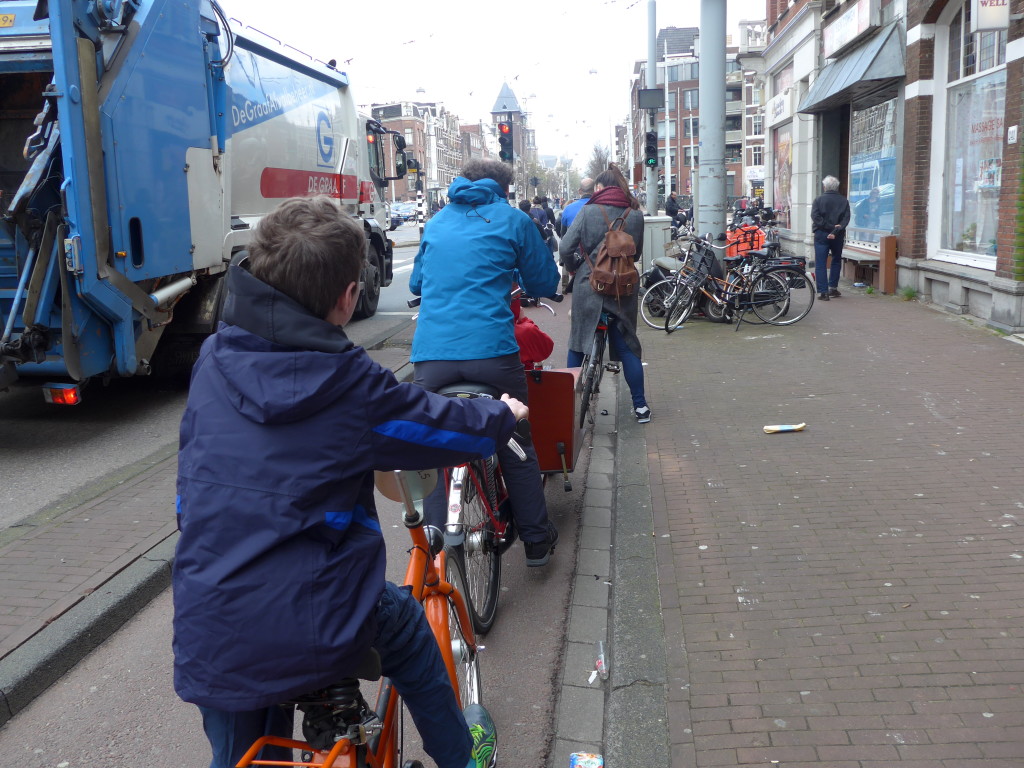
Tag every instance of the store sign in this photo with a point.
(755, 173)
(779, 108)
(849, 27)
(987, 15)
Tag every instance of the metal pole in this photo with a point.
(668, 132)
(652, 82)
(711, 216)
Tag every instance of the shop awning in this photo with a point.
(864, 77)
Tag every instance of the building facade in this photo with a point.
(678, 121)
(915, 106)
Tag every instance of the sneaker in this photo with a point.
(538, 553)
(822, 297)
(643, 414)
(485, 737)
(834, 293)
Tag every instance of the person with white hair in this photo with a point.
(830, 215)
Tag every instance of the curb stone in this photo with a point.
(615, 599)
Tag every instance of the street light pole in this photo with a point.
(652, 82)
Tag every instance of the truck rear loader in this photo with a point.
(141, 141)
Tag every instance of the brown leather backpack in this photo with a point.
(612, 271)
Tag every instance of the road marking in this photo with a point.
(395, 314)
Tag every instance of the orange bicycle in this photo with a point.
(341, 729)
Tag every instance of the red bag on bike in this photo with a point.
(612, 271)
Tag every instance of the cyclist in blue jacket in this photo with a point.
(278, 578)
(464, 272)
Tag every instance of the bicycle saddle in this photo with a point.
(470, 389)
(732, 261)
(669, 263)
(366, 668)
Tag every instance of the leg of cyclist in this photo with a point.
(522, 478)
(232, 733)
(632, 371)
(410, 657)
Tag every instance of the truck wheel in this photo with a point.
(371, 286)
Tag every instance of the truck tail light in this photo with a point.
(62, 394)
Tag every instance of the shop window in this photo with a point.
(872, 179)
(782, 138)
(975, 109)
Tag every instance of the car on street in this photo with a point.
(401, 213)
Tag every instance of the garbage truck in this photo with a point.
(141, 141)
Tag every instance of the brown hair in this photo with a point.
(308, 250)
(613, 178)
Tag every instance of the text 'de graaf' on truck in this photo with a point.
(141, 141)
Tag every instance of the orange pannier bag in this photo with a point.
(746, 238)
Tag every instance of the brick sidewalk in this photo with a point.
(849, 595)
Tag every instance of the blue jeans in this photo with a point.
(632, 367)
(822, 248)
(522, 478)
(408, 655)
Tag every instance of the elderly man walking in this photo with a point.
(830, 215)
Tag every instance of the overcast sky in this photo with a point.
(569, 63)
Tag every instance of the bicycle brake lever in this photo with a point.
(522, 433)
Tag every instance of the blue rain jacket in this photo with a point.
(464, 273)
(280, 561)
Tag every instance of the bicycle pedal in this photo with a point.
(612, 367)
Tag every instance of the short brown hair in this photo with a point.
(308, 250)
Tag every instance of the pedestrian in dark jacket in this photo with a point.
(830, 215)
(278, 578)
(611, 198)
(672, 206)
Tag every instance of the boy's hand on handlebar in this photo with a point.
(519, 409)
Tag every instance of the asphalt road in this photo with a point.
(53, 456)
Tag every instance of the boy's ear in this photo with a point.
(345, 306)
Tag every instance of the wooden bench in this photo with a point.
(860, 267)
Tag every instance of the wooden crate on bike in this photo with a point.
(554, 401)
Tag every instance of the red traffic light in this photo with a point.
(504, 128)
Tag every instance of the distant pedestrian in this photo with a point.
(672, 206)
(830, 216)
(611, 199)
(586, 190)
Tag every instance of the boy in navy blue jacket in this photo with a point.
(279, 585)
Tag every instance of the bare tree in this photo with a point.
(598, 162)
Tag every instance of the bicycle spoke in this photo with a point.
(478, 553)
(465, 658)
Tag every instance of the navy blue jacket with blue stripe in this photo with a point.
(280, 561)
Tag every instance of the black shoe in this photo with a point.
(538, 553)
(834, 293)
(823, 296)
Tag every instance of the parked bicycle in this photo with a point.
(777, 290)
(340, 729)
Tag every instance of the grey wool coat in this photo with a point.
(588, 229)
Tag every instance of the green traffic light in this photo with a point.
(652, 161)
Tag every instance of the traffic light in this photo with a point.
(651, 149)
(505, 151)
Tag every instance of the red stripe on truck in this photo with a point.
(280, 183)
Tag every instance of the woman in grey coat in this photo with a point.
(587, 231)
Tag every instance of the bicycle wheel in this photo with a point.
(593, 367)
(655, 302)
(680, 307)
(478, 555)
(465, 659)
(796, 302)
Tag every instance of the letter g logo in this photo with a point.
(324, 139)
